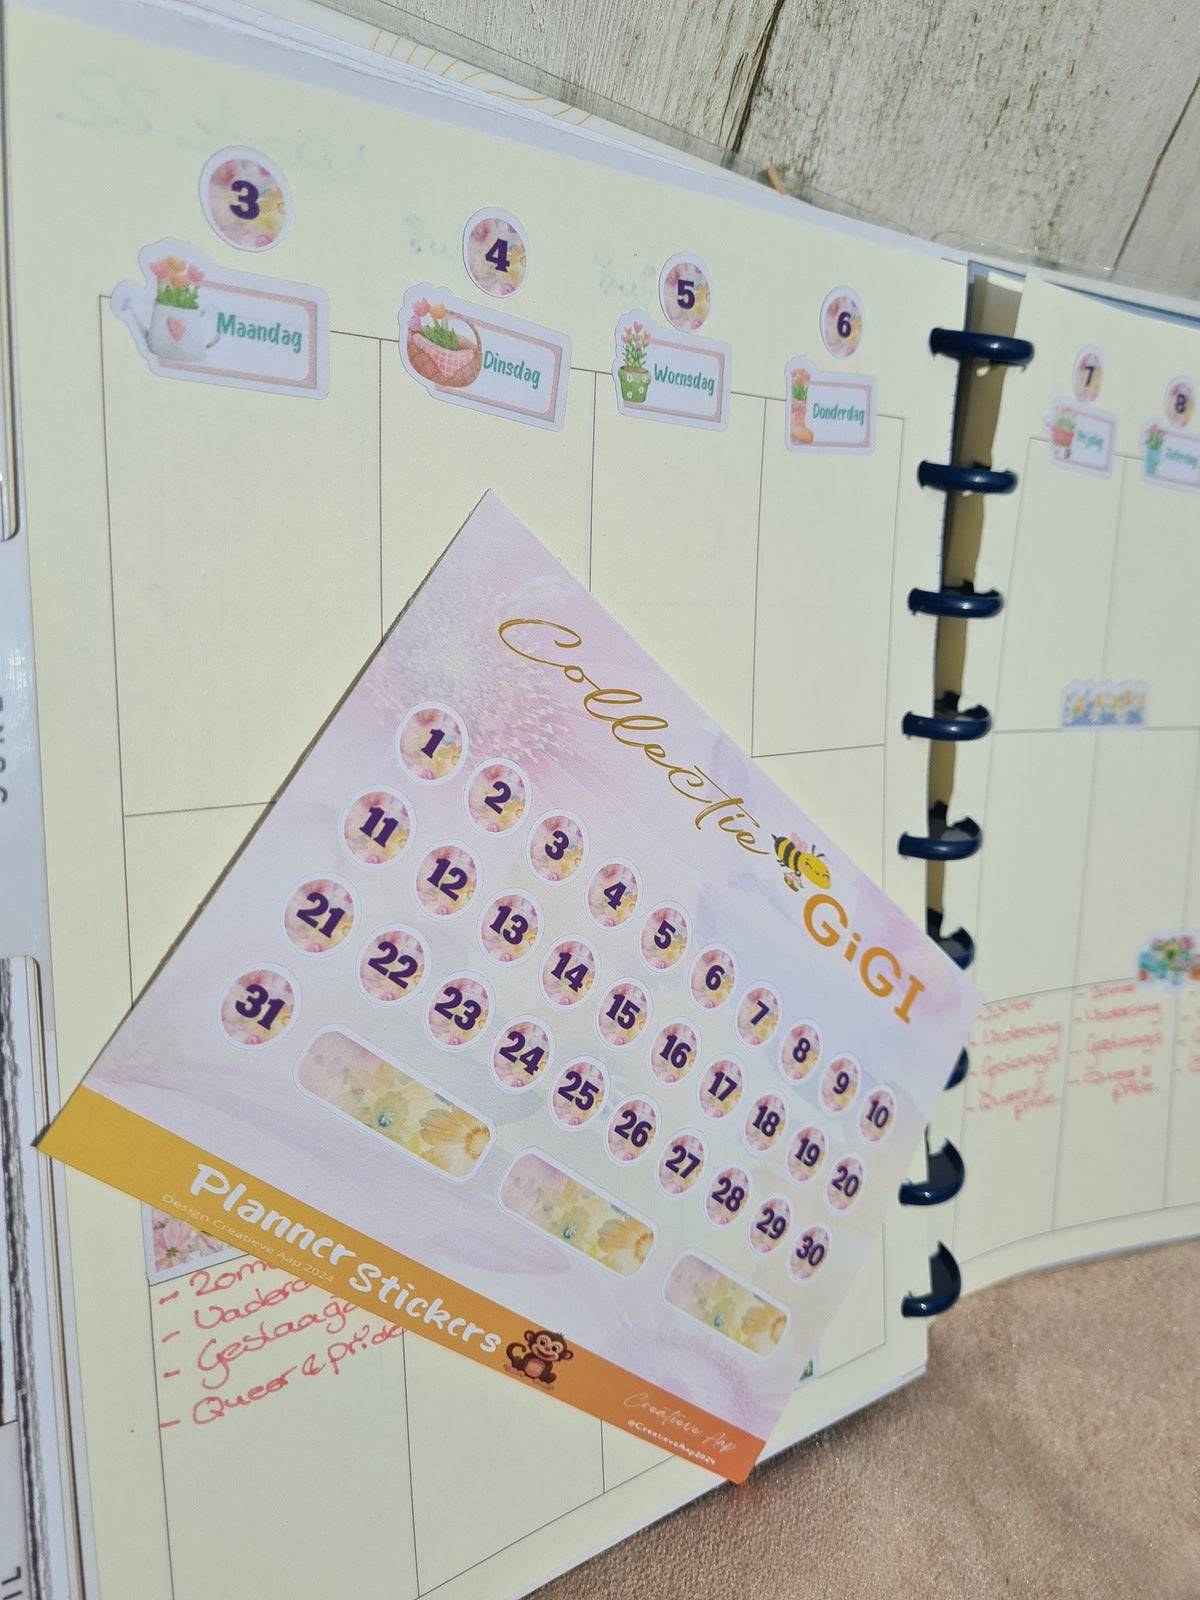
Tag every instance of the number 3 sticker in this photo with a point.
(246, 199)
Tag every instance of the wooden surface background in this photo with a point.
(1061, 129)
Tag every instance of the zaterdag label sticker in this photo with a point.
(193, 319)
(829, 412)
(473, 356)
(1170, 457)
(666, 376)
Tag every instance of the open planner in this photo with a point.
(532, 667)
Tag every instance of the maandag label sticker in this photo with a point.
(1082, 438)
(668, 376)
(471, 356)
(195, 320)
(1170, 457)
(829, 411)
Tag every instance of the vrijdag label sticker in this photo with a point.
(828, 411)
(1170, 457)
(670, 377)
(1082, 438)
(195, 320)
(473, 356)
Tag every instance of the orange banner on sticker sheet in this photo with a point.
(120, 1148)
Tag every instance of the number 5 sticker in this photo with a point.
(685, 292)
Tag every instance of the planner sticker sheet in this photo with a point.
(534, 1020)
(1079, 1119)
(191, 538)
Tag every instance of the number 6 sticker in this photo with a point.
(245, 199)
(842, 322)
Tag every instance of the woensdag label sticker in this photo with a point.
(666, 376)
(473, 356)
(1082, 438)
(193, 319)
(1170, 457)
(828, 411)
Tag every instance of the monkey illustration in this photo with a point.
(536, 1357)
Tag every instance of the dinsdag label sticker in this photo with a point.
(1179, 402)
(496, 252)
(1087, 374)
(828, 412)
(1081, 438)
(1170, 457)
(842, 322)
(685, 292)
(246, 199)
(195, 320)
(666, 376)
(473, 356)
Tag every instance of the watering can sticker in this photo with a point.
(191, 318)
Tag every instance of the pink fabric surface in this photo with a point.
(1051, 1451)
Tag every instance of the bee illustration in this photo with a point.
(799, 862)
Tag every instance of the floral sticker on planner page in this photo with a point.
(828, 411)
(1170, 457)
(667, 376)
(1082, 438)
(193, 319)
(516, 1026)
(474, 356)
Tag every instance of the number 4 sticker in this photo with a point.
(495, 252)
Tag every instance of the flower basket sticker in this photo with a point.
(1152, 443)
(634, 374)
(438, 351)
(1062, 432)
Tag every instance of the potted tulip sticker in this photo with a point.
(1062, 432)
(801, 432)
(633, 374)
(1153, 440)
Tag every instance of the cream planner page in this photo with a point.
(1080, 1117)
(227, 505)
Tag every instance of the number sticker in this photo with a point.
(258, 1007)
(497, 796)
(1087, 373)
(509, 928)
(246, 199)
(758, 1015)
(431, 743)
(720, 1087)
(713, 977)
(521, 1054)
(727, 1197)
(664, 937)
(557, 847)
(1179, 400)
(447, 879)
(495, 252)
(685, 292)
(842, 322)
(632, 1129)
(579, 1092)
(769, 1224)
(806, 1153)
(622, 1014)
(568, 972)
(681, 1163)
(800, 1051)
(377, 827)
(840, 1084)
(319, 915)
(765, 1123)
(392, 965)
(810, 1250)
(673, 1053)
(458, 1012)
(845, 1183)
(878, 1115)
(612, 894)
